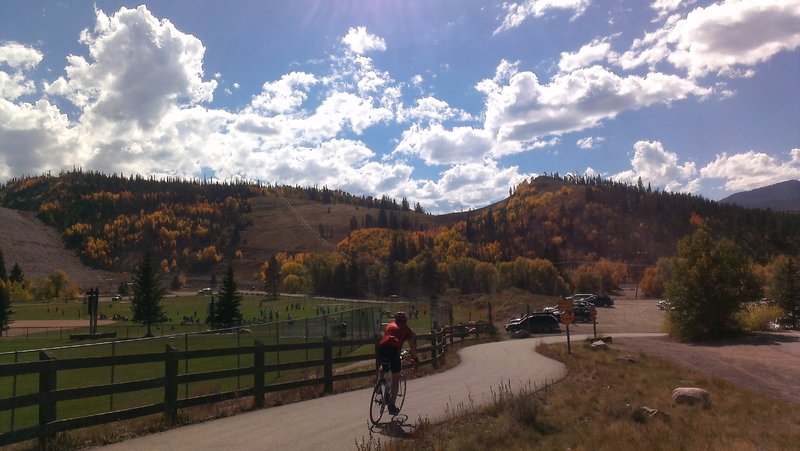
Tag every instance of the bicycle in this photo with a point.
(382, 393)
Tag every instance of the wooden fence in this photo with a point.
(49, 395)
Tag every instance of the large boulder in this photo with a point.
(691, 396)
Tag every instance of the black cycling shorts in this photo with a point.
(389, 358)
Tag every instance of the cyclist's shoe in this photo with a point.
(393, 410)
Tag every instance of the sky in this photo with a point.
(449, 103)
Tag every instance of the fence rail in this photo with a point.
(49, 368)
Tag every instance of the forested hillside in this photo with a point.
(578, 218)
(552, 235)
(191, 226)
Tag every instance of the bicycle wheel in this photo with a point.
(401, 392)
(378, 401)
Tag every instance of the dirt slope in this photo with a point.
(294, 225)
(39, 251)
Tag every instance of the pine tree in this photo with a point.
(147, 295)
(227, 312)
(16, 274)
(272, 277)
(5, 307)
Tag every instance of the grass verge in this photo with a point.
(598, 406)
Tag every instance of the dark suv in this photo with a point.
(535, 322)
(601, 301)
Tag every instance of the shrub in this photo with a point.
(758, 317)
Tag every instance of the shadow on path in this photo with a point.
(395, 428)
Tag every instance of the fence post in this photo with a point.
(171, 384)
(48, 383)
(445, 345)
(491, 321)
(435, 349)
(258, 374)
(327, 355)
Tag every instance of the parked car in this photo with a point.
(205, 291)
(601, 301)
(116, 297)
(583, 313)
(580, 297)
(553, 311)
(664, 305)
(535, 323)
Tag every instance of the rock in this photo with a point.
(691, 396)
(644, 412)
(521, 334)
(599, 345)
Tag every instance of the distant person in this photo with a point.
(397, 332)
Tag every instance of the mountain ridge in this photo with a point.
(782, 196)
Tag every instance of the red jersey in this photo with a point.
(396, 335)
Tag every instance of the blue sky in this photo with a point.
(448, 103)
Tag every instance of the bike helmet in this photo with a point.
(400, 318)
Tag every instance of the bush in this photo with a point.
(758, 317)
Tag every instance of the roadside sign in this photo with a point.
(594, 313)
(565, 306)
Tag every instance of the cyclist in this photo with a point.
(397, 332)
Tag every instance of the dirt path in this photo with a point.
(767, 363)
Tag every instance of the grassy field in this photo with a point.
(596, 407)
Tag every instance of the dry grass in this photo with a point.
(597, 408)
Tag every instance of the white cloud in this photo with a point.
(359, 41)
(585, 57)
(20, 59)
(18, 56)
(436, 145)
(750, 170)
(526, 109)
(724, 38)
(516, 13)
(13, 86)
(430, 109)
(340, 110)
(141, 69)
(659, 167)
(285, 95)
(589, 142)
(471, 185)
(665, 7)
(35, 138)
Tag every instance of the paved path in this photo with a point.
(337, 422)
